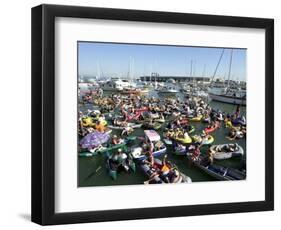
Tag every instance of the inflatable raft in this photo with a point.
(131, 125)
(211, 129)
(197, 119)
(203, 141)
(148, 171)
(113, 167)
(107, 149)
(186, 140)
(226, 151)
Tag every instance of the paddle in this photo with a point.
(93, 173)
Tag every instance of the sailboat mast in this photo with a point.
(190, 75)
(204, 71)
(229, 71)
(217, 67)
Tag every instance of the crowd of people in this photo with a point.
(174, 114)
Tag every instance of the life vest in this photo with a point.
(165, 168)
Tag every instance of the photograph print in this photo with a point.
(160, 114)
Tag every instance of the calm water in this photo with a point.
(92, 170)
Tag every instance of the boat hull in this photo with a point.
(222, 155)
(227, 99)
(219, 172)
(141, 157)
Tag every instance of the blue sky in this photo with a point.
(111, 60)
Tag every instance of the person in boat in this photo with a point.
(116, 140)
(120, 158)
(178, 146)
(178, 122)
(151, 147)
(82, 131)
(178, 133)
(145, 148)
(150, 161)
(88, 113)
(220, 116)
(175, 176)
(210, 155)
(95, 114)
(158, 145)
(90, 129)
(100, 92)
(230, 147)
(234, 134)
(161, 117)
(101, 118)
(196, 153)
(243, 130)
(116, 122)
(204, 136)
(165, 170)
(100, 127)
(185, 135)
(150, 121)
(243, 119)
(237, 112)
(127, 131)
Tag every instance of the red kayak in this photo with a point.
(211, 129)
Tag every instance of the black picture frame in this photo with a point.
(43, 113)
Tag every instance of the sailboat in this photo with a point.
(227, 95)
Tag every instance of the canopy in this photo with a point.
(152, 135)
(93, 140)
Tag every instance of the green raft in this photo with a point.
(114, 168)
(107, 149)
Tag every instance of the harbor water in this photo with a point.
(92, 170)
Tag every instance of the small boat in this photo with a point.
(131, 91)
(197, 119)
(107, 149)
(239, 121)
(236, 97)
(91, 122)
(148, 170)
(168, 91)
(153, 125)
(87, 122)
(183, 121)
(211, 129)
(217, 171)
(131, 125)
(203, 141)
(209, 140)
(114, 167)
(152, 136)
(228, 124)
(227, 98)
(226, 151)
(184, 140)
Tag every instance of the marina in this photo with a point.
(156, 129)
